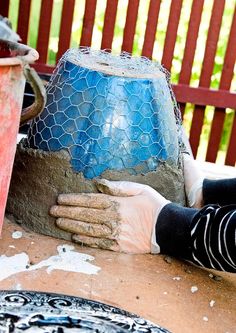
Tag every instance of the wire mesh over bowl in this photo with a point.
(110, 113)
(110, 116)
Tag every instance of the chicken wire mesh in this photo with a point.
(109, 112)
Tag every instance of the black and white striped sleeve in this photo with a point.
(207, 236)
(213, 237)
(219, 191)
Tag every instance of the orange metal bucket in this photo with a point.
(14, 71)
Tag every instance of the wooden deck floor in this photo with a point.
(170, 293)
(148, 285)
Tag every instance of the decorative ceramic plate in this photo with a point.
(27, 311)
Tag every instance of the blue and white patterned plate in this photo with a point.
(28, 311)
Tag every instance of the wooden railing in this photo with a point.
(221, 99)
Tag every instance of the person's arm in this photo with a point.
(200, 191)
(220, 191)
(204, 236)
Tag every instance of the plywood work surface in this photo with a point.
(170, 293)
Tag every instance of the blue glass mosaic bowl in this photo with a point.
(107, 116)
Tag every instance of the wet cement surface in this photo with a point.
(170, 293)
(38, 177)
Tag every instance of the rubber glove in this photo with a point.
(121, 218)
(193, 181)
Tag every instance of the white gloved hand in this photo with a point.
(193, 181)
(121, 218)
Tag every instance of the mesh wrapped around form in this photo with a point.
(110, 113)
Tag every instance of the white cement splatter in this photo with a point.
(12, 265)
(16, 234)
(212, 303)
(176, 278)
(194, 289)
(66, 260)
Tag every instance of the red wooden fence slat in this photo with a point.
(65, 27)
(215, 134)
(231, 153)
(205, 96)
(130, 25)
(151, 26)
(190, 44)
(43, 68)
(109, 24)
(88, 22)
(171, 33)
(196, 128)
(44, 29)
(225, 82)
(191, 41)
(4, 7)
(23, 20)
(230, 57)
(206, 72)
(211, 43)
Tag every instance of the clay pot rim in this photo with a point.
(26, 54)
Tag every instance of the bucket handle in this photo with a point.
(40, 95)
